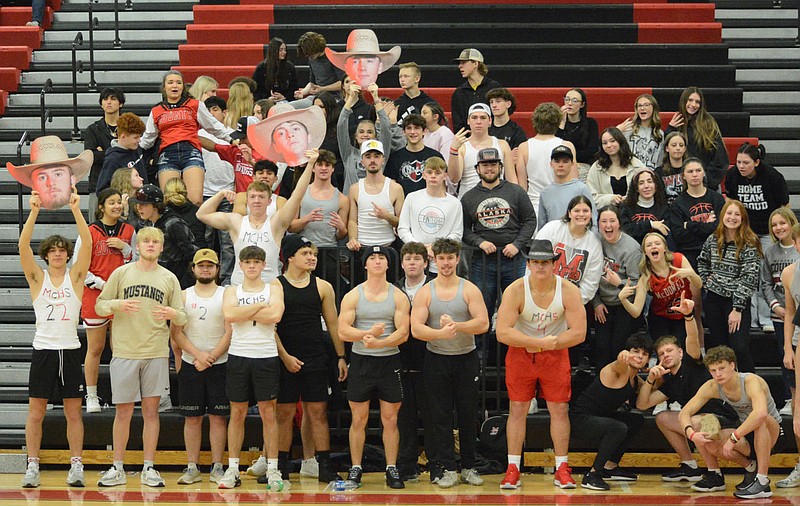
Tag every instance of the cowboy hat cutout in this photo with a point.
(363, 59)
(288, 133)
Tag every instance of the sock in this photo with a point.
(91, 390)
(762, 479)
(514, 459)
(272, 464)
(355, 466)
(147, 465)
(192, 466)
(74, 461)
(234, 463)
(691, 463)
(718, 471)
(390, 466)
(561, 460)
(118, 466)
(34, 461)
(326, 455)
(751, 466)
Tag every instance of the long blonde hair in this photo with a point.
(645, 268)
(240, 103)
(175, 193)
(787, 214)
(202, 85)
(744, 235)
(121, 181)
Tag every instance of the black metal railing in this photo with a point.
(45, 114)
(93, 23)
(77, 66)
(22, 141)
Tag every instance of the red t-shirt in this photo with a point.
(667, 292)
(242, 171)
(176, 124)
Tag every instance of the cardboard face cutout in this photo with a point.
(288, 133)
(54, 184)
(363, 70)
(362, 59)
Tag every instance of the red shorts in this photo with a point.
(90, 318)
(549, 369)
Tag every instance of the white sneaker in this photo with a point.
(165, 404)
(275, 482)
(93, 404)
(659, 408)
(217, 472)
(75, 476)
(534, 407)
(675, 406)
(230, 479)
(190, 475)
(112, 478)
(32, 23)
(259, 467)
(791, 481)
(448, 480)
(786, 410)
(309, 467)
(151, 478)
(31, 479)
(472, 477)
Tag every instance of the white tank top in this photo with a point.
(57, 310)
(261, 237)
(538, 322)
(540, 174)
(252, 339)
(469, 176)
(205, 325)
(373, 231)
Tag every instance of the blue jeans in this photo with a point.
(483, 272)
(38, 11)
(179, 156)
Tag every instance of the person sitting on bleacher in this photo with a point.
(473, 90)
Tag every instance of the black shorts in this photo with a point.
(309, 384)
(252, 378)
(201, 392)
(375, 377)
(56, 374)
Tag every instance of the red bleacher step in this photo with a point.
(30, 36)
(233, 14)
(222, 34)
(223, 75)
(210, 54)
(18, 16)
(16, 56)
(9, 78)
(680, 33)
(3, 101)
(673, 13)
(478, 2)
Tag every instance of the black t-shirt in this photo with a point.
(407, 105)
(683, 385)
(406, 168)
(512, 133)
(761, 195)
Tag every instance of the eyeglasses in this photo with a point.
(568, 100)
(644, 105)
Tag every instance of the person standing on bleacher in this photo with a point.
(473, 90)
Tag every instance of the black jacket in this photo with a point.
(464, 96)
(179, 247)
(97, 138)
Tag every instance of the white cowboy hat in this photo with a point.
(260, 134)
(363, 42)
(50, 151)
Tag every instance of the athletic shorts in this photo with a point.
(252, 378)
(201, 392)
(133, 379)
(56, 373)
(375, 378)
(91, 320)
(546, 374)
(309, 384)
(180, 156)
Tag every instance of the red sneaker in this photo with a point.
(511, 480)
(563, 478)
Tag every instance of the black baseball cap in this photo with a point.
(148, 194)
(561, 151)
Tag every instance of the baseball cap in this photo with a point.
(371, 145)
(205, 255)
(541, 249)
(488, 155)
(374, 250)
(561, 152)
(148, 194)
(480, 107)
(292, 243)
(241, 127)
(469, 54)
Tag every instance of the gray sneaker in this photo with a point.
(190, 475)
(791, 481)
(309, 467)
(259, 467)
(448, 480)
(75, 476)
(112, 478)
(472, 477)
(165, 404)
(31, 479)
(230, 479)
(151, 478)
(755, 490)
(217, 472)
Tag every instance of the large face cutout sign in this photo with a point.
(288, 133)
(363, 60)
(52, 173)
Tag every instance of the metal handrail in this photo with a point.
(76, 67)
(45, 114)
(93, 23)
(22, 141)
(117, 41)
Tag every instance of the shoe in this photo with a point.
(259, 467)
(31, 479)
(769, 329)
(534, 407)
(275, 481)
(165, 404)
(230, 479)
(190, 475)
(393, 479)
(112, 478)
(684, 473)
(618, 474)
(436, 471)
(511, 480)
(711, 482)
(410, 477)
(354, 475)
(327, 475)
(93, 404)
(75, 476)
(310, 467)
(593, 481)
(563, 477)
(786, 410)
(659, 408)
(755, 490)
(151, 478)
(749, 476)
(471, 477)
(448, 480)
(32, 23)
(791, 481)
(675, 406)
(217, 473)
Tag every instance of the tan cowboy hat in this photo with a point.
(260, 134)
(50, 150)
(363, 42)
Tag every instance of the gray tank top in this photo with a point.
(744, 406)
(457, 308)
(320, 232)
(369, 313)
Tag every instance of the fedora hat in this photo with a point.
(260, 134)
(363, 42)
(49, 151)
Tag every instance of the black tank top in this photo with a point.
(300, 329)
(600, 400)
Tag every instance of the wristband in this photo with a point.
(735, 437)
(453, 152)
(686, 428)
(691, 438)
(342, 357)
(688, 318)
(654, 384)
(774, 303)
(621, 285)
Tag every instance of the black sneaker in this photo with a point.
(711, 482)
(354, 475)
(593, 481)
(749, 477)
(618, 474)
(684, 473)
(436, 470)
(393, 479)
(326, 473)
(754, 490)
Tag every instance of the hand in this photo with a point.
(459, 139)
(228, 195)
(276, 97)
(314, 215)
(660, 226)
(353, 245)
(391, 111)
(116, 243)
(353, 96)
(617, 199)
(298, 94)
(35, 201)
(780, 312)
(701, 438)
(315, 89)
(380, 213)
(600, 313)
(97, 283)
(75, 201)
(336, 221)
(510, 251)
(162, 313)
(711, 217)
(448, 331)
(627, 291)
(292, 364)
(203, 359)
(312, 155)
(611, 277)
(626, 125)
(548, 343)
(342, 365)
(734, 320)
(431, 256)
(680, 272)
(372, 89)
(676, 120)
(788, 360)
(656, 372)
(371, 342)
(685, 306)
(130, 306)
(198, 364)
(487, 247)
(727, 449)
(445, 319)
(377, 329)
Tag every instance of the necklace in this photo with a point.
(295, 281)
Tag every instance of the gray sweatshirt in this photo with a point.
(555, 197)
(776, 258)
(623, 258)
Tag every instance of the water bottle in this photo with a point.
(341, 486)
